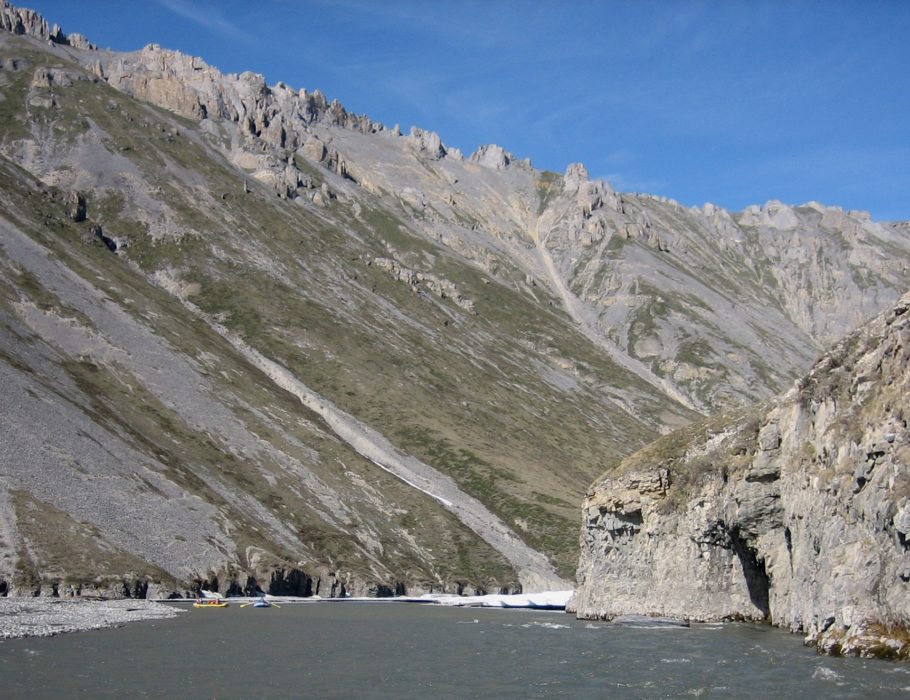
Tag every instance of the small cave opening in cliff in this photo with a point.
(293, 582)
(788, 539)
(757, 581)
(627, 523)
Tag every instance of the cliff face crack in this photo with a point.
(788, 539)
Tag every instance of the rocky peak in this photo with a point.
(576, 173)
(491, 156)
(190, 87)
(774, 214)
(27, 22)
(428, 142)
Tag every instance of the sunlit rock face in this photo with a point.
(796, 514)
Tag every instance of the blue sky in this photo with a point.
(728, 102)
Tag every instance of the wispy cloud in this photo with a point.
(209, 17)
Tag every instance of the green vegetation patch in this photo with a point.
(549, 185)
(539, 526)
(686, 474)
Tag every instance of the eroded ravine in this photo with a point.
(580, 315)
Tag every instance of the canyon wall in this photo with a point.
(797, 514)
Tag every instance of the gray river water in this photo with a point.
(375, 650)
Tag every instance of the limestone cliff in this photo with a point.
(798, 514)
(20, 20)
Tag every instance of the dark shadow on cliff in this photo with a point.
(757, 580)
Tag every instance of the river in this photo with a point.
(382, 650)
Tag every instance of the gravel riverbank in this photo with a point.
(45, 617)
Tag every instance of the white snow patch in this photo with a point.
(549, 600)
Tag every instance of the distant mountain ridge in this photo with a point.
(575, 237)
(327, 356)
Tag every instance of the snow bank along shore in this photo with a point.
(545, 600)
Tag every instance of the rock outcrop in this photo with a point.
(441, 287)
(27, 22)
(188, 86)
(798, 514)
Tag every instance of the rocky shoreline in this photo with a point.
(44, 617)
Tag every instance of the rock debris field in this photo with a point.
(42, 617)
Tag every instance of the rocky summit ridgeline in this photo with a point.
(248, 338)
(798, 514)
